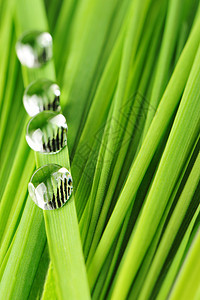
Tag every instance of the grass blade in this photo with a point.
(166, 108)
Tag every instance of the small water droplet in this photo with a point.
(47, 132)
(34, 48)
(50, 186)
(42, 94)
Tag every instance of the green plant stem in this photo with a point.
(6, 33)
(29, 242)
(40, 276)
(11, 188)
(9, 95)
(131, 125)
(145, 266)
(165, 56)
(64, 241)
(169, 169)
(172, 229)
(84, 223)
(187, 284)
(17, 207)
(166, 109)
(129, 51)
(11, 139)
(76, 265)
(104, 91)
(49, 290)
(83, 61)
(175, 266)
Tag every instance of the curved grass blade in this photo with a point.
(166, 108)
(187, 284)
(169, 169)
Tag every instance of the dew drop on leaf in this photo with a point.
(50, 186)
(42, 94)
(34, 48)
(47, 132)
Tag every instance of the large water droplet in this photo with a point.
(34, 48)
(50, 186)
(40, 95)
(47, 132)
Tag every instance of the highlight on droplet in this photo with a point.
(34, 48)
(47, 132)
(50, 186)
(40, 95)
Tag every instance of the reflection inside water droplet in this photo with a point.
(40, 95)
(50, 186)
(47, 132)
(34, 48)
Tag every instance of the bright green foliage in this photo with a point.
(129, 73)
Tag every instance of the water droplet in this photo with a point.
(47, 132)
(40, 95)
(50, 186)
(34, 48)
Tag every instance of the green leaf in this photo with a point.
(165, 110)
(187, 284)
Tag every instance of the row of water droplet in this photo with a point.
(50, 186)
